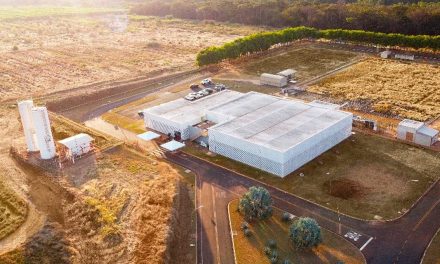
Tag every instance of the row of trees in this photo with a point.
(263, 41)
(414, 19)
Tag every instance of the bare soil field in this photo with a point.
(309, 60)
(112, 207)
(13, 211)
(432, 254)
(57, 53)
(407, 90)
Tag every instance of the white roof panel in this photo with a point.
(427, 131)
(173, 145)
(149, 135)
(411, 124)
(74, 141)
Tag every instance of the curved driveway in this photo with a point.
(400, 241)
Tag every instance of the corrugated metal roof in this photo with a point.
(79, 139)
(173, 145)
(427, 131)
(272, 76)
(287, 72)
(411, 124)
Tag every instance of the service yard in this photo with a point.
(408, 90)
(250, 250)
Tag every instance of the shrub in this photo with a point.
(274, 257)
(244, 225)
(285, 217)
(305, 233)
(15, 48)
(272, 243)
(287, 261)
(247, 232)
(267, 251)
(256, 204)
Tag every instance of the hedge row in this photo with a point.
(263, 41)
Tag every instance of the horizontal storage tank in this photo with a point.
(25, 109)
(43, 132)
(273, 80)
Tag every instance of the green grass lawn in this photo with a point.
(363, 176)
(21, 12)
(249, 250)
(433, 252)
(245, 87)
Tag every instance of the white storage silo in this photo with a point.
(43, 132)
(25, 109)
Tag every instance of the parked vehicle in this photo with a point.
(190, 97)
(194, 86)
(220, 87)
(198, 95)
(208, 90)
(206, 82)
(204, 92)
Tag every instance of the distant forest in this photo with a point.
(388, 16)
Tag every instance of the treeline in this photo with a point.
(263, 41)
(414, 19)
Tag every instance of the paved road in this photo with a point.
(401, 241)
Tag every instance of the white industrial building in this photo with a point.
(417, 132)
(267, 132)
(288, 73)
(273, 80)
(77, 145)
(37, 130)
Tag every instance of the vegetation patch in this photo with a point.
(432, 254)
(13, 211)
(392, 175)
(270, 237)
(408, 90)
(135, 126)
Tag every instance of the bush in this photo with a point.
(274, 257)
(247, 232)
(287, 261)
(267, 251)
(272, 243)
(244, 225)
(15, 48)
(256, 204)
(305, 233)
(285, 217)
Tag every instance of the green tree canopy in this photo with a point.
(305, 233)
(256, 204)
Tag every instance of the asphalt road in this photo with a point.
(403, 240)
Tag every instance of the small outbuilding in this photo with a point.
(417, 132)
(77, 145)
(385, 54)
(288, 73)
(273, 80)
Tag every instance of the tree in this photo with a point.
(256, 204)
(305, 233)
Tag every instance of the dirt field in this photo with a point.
(13, 211)
(309, 60)
(62, 52)
(365, 176)
(249, 250)
(408, 90)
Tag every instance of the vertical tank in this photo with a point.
(43, 132)
(25, 108)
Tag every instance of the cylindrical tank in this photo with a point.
(43, 132)
(25, 108)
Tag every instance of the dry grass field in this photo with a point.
(249, 250)
(408, 90)
(308, 60)
(432, 255)
(80, 47)
(13, 211)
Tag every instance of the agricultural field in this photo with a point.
(13, 211)
(58, 53)
(407, 90)
(249, 250)
(308, 60)
(365, 176)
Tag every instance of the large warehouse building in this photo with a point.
(270, 133)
